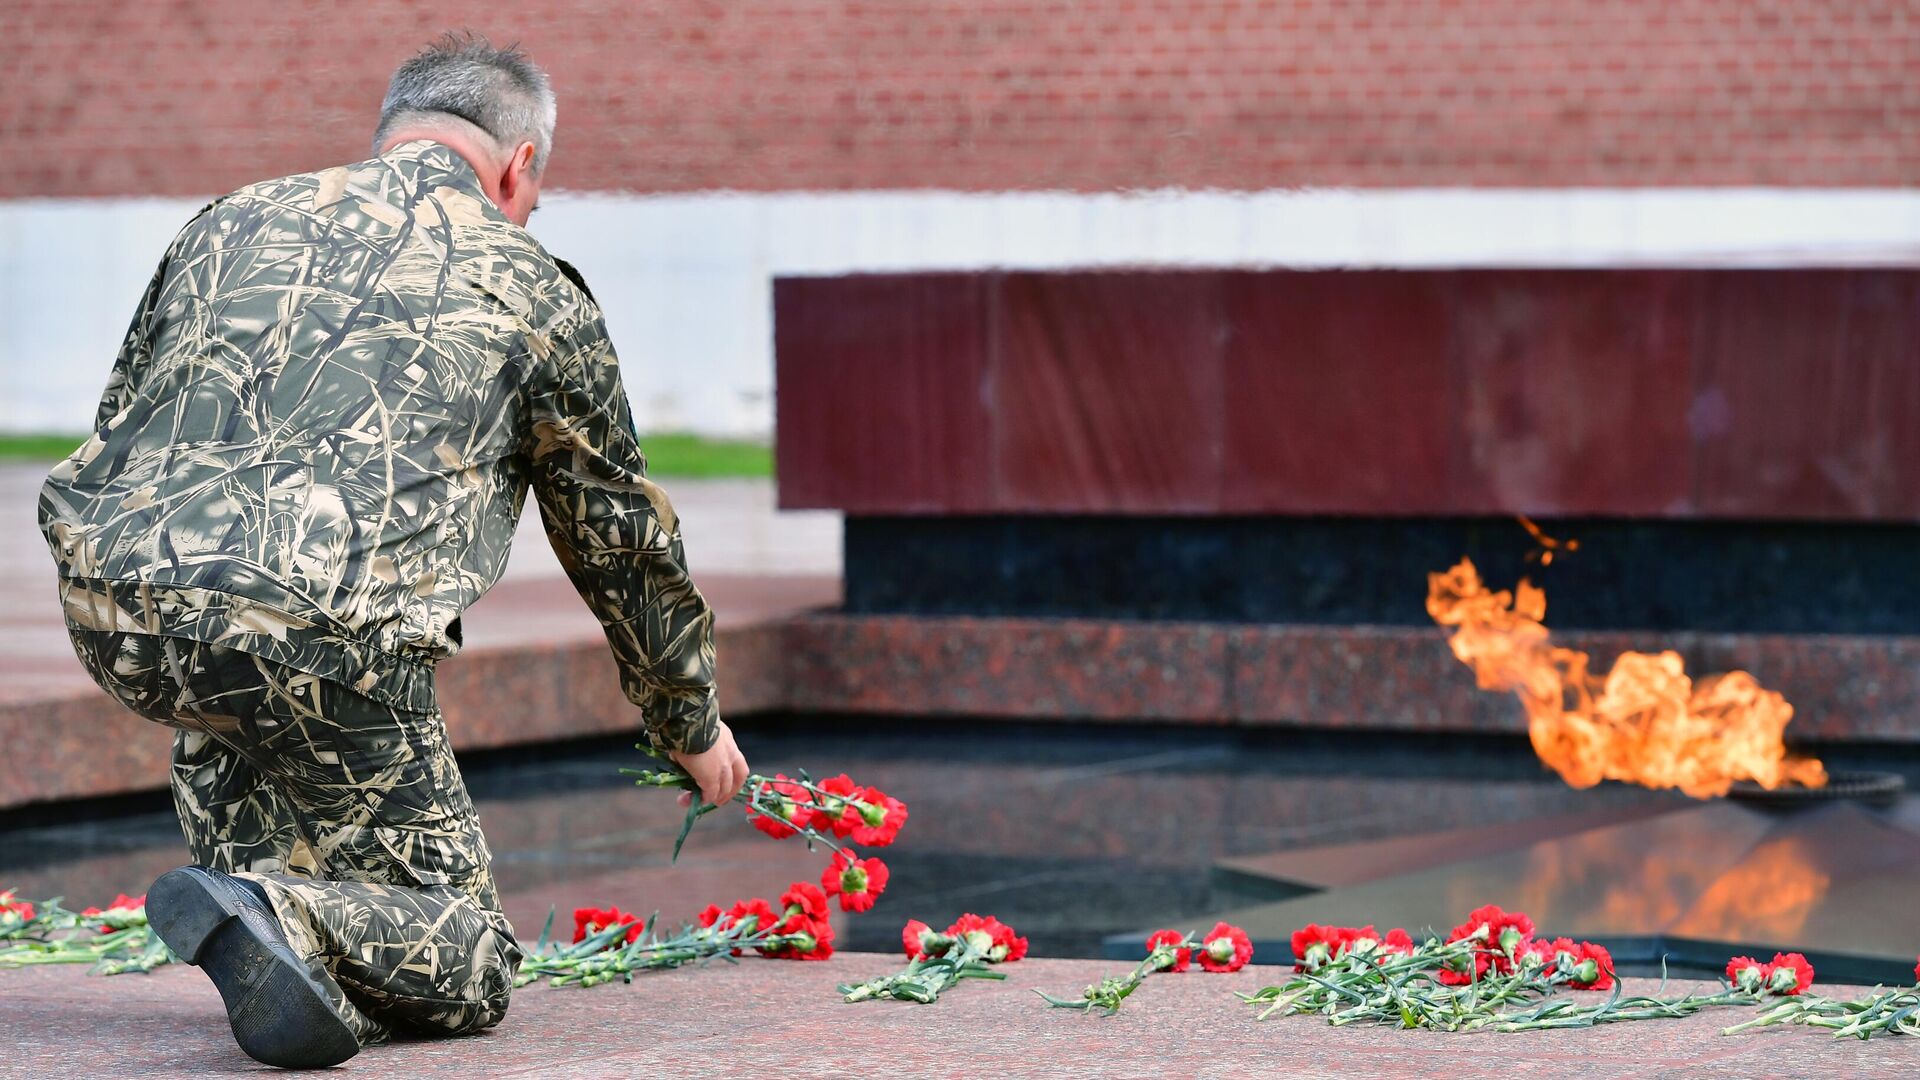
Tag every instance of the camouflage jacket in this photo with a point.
(318, 435)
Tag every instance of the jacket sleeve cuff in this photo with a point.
(683, 722)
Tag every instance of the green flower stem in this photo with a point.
(1883, 1012)
(925, 979)
(756, 793)
(1108, 994)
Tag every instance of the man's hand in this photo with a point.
(720, 770)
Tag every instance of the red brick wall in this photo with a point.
(195, 96)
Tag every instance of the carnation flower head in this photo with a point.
(1225, 948)
(1316, 946)
(858, 882)
(19, 909)
(800, 937)
(590, 921)
(920, 941)
(1586, 966)
(1746, 973)
(834, 809)
(989, 937)
(1176, 958)
(1789, 974)
(1506, 933)
(805, 898)
(877, 817)
(1397, 941)
(759, 911)
(1461, 971)
(781, 807)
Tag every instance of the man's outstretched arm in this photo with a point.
(618, 538)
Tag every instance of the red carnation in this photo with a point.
(991, 938)
(709, 915)
(1225, 948)
(801, 937)
(835, 808)
(1746, 973)
(857, 882)
(10, 906)
(1916, 972)
(919, 940)
(1316, 946)
(1397, 941)
(1177, 958)
(804, 898)
(1506, 933)
(781, 807)
(877, 817)
(1587, 966)
(1459, 971)
(590, 921)
(758, 910)
(1789, 974)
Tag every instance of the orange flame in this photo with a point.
(1644, 722)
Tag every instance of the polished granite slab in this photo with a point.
(1838, 881)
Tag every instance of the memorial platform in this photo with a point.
(768, 1018)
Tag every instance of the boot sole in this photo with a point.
(279, 1015)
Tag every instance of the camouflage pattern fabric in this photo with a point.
(350, 812)
(319, 432)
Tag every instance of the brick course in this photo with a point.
(196, 96)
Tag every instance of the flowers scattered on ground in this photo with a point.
(1492, 972)
(611, 944)
(936, 962)
(1894, 1011)
(114, 939)
(1472, 978)
(1224, 948)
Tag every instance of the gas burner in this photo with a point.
(1873, 788)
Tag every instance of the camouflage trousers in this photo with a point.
(351, 814)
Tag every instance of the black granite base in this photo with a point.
(1753, 577)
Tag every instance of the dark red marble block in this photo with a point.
(1106, 392)
(1791, 394)
(1336, 389)
(883, 390)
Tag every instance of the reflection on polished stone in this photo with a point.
(1694, 885)
(1071, 834)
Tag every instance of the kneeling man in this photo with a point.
(309, 460)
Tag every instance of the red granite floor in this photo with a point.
(766, 1018)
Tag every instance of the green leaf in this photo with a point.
(695, 808)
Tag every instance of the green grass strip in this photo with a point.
(668, 455)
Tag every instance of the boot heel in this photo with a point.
(184, 913)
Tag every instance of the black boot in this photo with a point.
(283, 1010)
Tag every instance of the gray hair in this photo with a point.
(499, 91)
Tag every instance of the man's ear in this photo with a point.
(519, 171)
